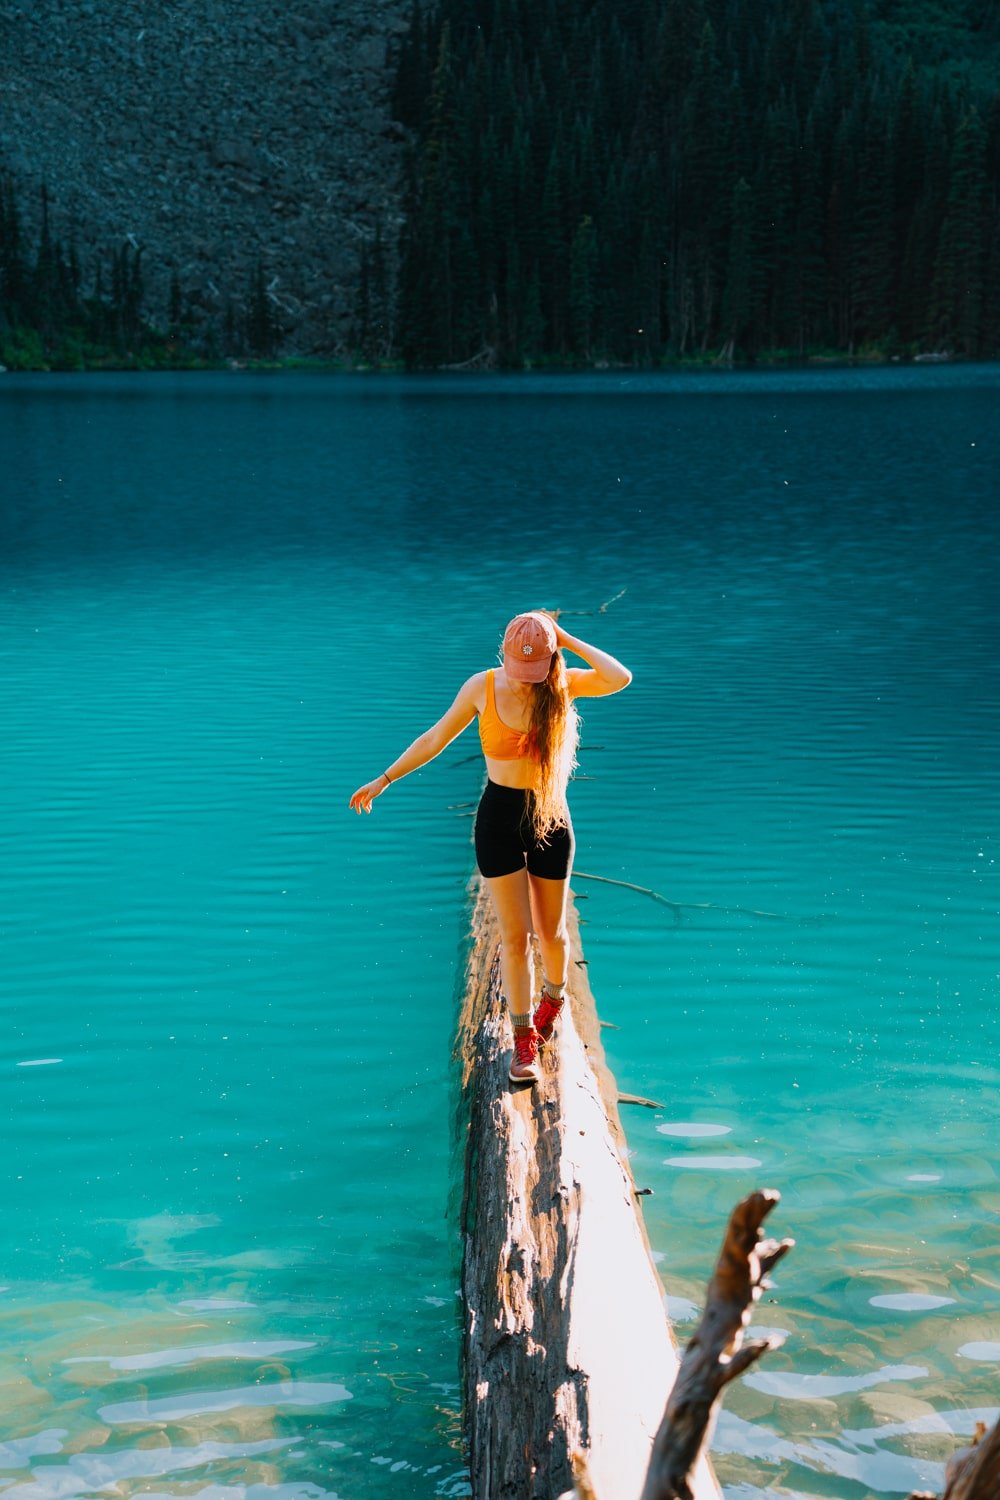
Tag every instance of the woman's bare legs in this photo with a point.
(549, 899)
(512, 904)
(525, 903)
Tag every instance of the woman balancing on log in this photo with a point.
(524, 836)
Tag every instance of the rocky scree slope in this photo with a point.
(214, 134)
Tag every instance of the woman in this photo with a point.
(524, 837)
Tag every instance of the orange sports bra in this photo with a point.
(498, 740)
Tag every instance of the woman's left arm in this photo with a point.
(607, 674)
(425, 748)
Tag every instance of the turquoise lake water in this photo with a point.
(226, 1261)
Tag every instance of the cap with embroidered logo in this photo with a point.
(528, 644)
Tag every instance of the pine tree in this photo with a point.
(991, 275)
(410, 86)
(583, 285)
(176, 314)
(957, 295)
(427, 300)
(232, 339)
(532, 339)
(261, 327)
(12, 267)
(807, 324)
(907, 148)
(381, 319)
(705, 152)
(775, 189)
(552, 256)
(45, 282)
(134, 291)
(871, 234)
(742, 274)
(361, 326)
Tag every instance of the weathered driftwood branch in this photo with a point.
(716, 1353)
(972, 1473)
(568, 1352)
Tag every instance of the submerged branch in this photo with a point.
(681, 906)
(601, 609)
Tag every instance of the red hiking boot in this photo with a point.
(524, 1066)
(546, 1016)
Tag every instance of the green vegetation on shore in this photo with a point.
(50, 319)
(47, 318)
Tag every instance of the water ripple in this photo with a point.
(792, 1386)
(85, 1473)
(911, 1301)
(162, 1359)
(279, 1393)
(253, 993)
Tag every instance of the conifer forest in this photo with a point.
(669, 178)
(591, 182)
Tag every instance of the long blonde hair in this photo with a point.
(555, 732)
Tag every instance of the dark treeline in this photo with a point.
(623, 180)
(52, 315)
(665, 178)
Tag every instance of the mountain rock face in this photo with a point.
(213, 134)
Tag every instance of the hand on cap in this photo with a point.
(553, 615)
(365, 795)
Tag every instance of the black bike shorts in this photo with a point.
(505, 840)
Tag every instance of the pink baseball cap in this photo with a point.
(528, 645)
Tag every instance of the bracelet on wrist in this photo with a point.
(388, 778)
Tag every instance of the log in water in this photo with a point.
(567, 1346)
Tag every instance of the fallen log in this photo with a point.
(568, 1354)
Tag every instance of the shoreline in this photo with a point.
(307, 365)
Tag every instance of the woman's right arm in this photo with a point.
(607, 674)
(459, 716)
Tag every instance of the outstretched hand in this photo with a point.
(365, 795)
